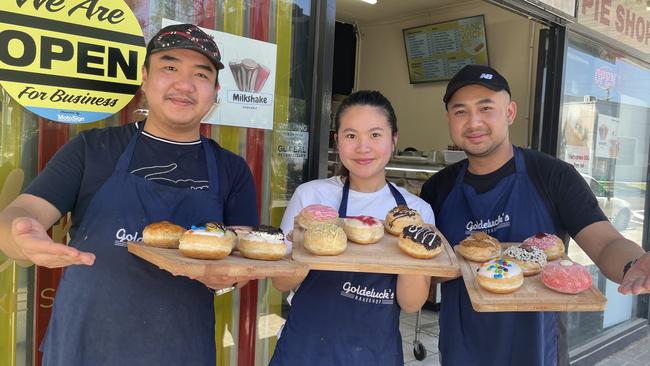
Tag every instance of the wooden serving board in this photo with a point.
(533, 295)
(172, 261)
(381, 257)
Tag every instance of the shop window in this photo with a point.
(605, 134)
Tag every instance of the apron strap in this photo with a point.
(399, 198)
(343, 207)
(211, 164)
(124, 161)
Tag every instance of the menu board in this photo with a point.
(437, 51)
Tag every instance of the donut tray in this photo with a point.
(533, 295)
(171, 260)
(381, 257)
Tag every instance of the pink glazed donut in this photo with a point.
(313, 215)
(552, 246)
(566, 276)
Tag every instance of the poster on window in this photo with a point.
(577, 135)
(247, 82)
(607, 143)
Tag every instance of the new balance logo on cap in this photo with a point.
(476, 74)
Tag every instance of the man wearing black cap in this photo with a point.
(511, 194)
(112, 308)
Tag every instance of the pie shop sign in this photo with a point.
(73, 61)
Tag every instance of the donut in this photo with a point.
(500, 276)
(479, 247)
(325, 239)
(566, 276)
(263, 242)
(212, 241)
(317, 214)
(363, 229)
(420, 241)
(400, 217)
(163, 234)
(530, 259)
(549, 243)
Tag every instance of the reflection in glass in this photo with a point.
(605, 134)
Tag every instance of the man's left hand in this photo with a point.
(637, 278)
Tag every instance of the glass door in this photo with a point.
(604, 132)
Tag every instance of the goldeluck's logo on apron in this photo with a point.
(122, 237)
(368, 295)
(488, 225)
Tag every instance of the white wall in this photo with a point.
(420, 111)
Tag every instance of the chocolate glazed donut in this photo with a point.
(420, 241)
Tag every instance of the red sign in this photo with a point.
(604, 78)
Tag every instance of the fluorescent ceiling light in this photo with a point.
(373, 2)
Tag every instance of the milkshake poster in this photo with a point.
(247, 82)
(607, 143)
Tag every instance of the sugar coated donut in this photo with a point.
(400, 217)
(566, 276)
(363, 229)
(263, 242)
(500, 276)
(317, 214)
(420, 241)
(549, 243)
(531, 260)
(325, 239)
(479, 247)
(212, 241)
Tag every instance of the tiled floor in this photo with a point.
(428, 336)
(636, 354)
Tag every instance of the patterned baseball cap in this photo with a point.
(476, 74)
(185, 36)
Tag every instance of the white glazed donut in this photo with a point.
(212, 241)
(263, 242)
(500, 276)
(363, 229)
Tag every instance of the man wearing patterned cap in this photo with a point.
(112, 308)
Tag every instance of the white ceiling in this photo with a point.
(358, 11)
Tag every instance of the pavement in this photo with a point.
(635, 354)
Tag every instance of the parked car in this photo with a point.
(616, 209)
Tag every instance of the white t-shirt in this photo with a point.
(329, 192)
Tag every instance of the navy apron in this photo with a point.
(125, 311)
(354, 317)
(511, 212)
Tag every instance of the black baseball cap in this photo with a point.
(185, 36)
(476, 74)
